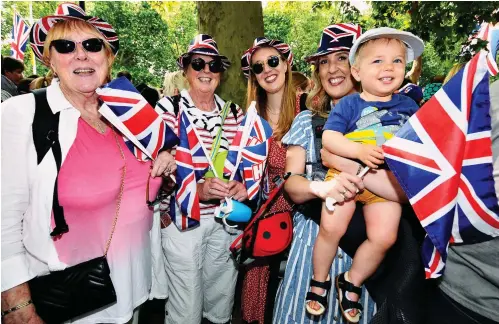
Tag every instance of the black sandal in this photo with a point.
(342, 287)
(320, 299)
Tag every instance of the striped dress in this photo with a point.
(290, 300)
(207, 125)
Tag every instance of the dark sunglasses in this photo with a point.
(215, 66)
(272, 61)
(65, 46)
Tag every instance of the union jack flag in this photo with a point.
(443, 160)
(248, 151)
(20, 36)
(490, 33)
(145, 132)
(191, 166)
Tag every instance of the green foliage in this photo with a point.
(277, 26)
(40, 9)
(152, 34)
(144, 49)
(306, 20)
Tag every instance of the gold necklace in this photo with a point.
(96, 124)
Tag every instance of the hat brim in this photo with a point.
(313, 58)
(415, 45)
(182, 60)
(40, 29)
(280, 46)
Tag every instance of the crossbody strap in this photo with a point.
(216, 143)
(45, 130)
(120, 195)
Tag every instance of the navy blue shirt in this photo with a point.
(352, 113)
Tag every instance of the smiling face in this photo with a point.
(380, 67)
(272, 79)
(80, 71)
(203, 81)
(334, 73)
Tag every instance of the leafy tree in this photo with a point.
(40, 9)
(443, 25)
(144, 47)
(234, 26)
(306, 20)
(152, 34)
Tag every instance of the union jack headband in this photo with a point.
(65, 11)
(260, 42)
(205, 45)
(335, 38)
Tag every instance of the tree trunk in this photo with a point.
(233, 25)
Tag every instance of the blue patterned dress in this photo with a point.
(290, 300)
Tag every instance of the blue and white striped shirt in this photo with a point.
(290, 300)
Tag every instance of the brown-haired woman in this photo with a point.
(267, 65)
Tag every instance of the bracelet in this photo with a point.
(359, 170)
(17, 307)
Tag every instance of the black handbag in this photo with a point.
(80, 289)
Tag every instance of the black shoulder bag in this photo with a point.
(85, 287)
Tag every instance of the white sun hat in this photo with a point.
(415, 45)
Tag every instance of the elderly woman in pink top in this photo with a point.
(58, 215)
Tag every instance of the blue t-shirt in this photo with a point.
(352, 113)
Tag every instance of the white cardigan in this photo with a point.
(27, 193)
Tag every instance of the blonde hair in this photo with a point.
(64, 28)
(288, 103)
(42, 82)
(172, 81)
(363, 45)
(453, 71)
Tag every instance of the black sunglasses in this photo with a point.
(215, 65)
(272, 61)
(65, 46)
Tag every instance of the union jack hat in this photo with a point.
(66, 11)
(205, 45)
(335, 38)
(260, 42)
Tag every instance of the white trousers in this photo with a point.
(201, 273)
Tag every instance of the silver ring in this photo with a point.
(343, 192)
(343, 195)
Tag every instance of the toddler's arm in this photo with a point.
(336, 143)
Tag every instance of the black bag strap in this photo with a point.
(176, 104)
(45, 137)
(318, 128)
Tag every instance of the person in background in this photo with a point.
(454, 69)
(42, 82)
(173, 83)
(201, 274)
(412, 91)
(24, 86)
(12, 73)
(99, 178)
(301, 82)
(468, 292)
(149, 93)
(267, 66)
(126, 74)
